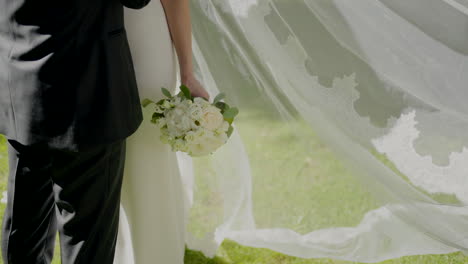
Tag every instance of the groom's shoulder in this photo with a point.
(58, 14)
(32, 22)
(62, 34)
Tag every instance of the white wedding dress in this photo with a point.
(152, 212)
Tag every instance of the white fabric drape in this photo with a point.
(379, 86)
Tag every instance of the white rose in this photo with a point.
(213, 142)
(225, 126)
(198, 149)
(205, 142)
(211, 118)
(195, 142)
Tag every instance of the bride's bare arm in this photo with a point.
(179, 22)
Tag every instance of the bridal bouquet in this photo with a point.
(192, 124)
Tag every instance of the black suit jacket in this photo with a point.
(66, 72)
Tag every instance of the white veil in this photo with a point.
(352, 137)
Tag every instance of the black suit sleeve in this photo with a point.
(135, 4)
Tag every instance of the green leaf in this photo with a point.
(186, 91)
(230, 130)
(231, 112)
(221, 105)
(166, 92)
(219, 97)
(181, 94)
(146, 102)
(229, 120)
(156, 116)
(160, 102)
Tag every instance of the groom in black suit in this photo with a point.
(68, 101)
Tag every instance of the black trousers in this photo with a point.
(74, 193)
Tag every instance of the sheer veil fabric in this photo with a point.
(351, 139)
(379, 86)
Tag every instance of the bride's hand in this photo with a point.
(196, 89)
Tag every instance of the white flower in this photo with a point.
(177, 120)
(204, 141)
(190, 136)
(195, 111)
(185, 123)
(179, 145)
(201, 101)
(211, 118)
(197, 127)
(166, 104)
(160, 122)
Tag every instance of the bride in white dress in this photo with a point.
(152, 218)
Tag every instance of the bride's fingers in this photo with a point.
(196, 89)
(201, 92)
(205, 95)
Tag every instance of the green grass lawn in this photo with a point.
(329, 194)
